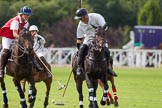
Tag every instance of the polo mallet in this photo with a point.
(80, 3)
(61, 86)
(61, 102)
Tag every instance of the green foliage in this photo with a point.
(50, 13)
(4, 12)
(150, 14)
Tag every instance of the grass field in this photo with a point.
(136, 88)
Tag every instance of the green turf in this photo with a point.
(136, 88)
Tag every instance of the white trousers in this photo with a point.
(6, 42)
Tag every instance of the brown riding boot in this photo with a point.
(38, 66)
(45, 63)
(5, 54)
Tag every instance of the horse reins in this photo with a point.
(23, 49)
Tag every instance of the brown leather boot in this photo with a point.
(45, 63)
(38, 66)
(5, 54)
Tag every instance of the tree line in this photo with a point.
(55, 18)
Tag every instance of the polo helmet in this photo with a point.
(26, 10)
(80, 13)
(33, 28)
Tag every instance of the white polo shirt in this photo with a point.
(39, 42)
(86, 31)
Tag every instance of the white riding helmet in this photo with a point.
(33, 27)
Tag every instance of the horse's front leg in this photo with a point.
(79, 84)
(23, 82)
(91, 90)
(105, 91)
(3, 87)
(32, 93)
(95, 84)
(21, 93)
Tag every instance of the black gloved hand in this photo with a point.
(78, 46)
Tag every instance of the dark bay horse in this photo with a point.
(46, 77)
(20, 67)
(95, 67)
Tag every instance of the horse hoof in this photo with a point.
(5, 105)
(116, 104)
(95, 104)
(108, 102)
(102, 102)
(90, 105)
(111, 100)
(81, 106)
(31, 99)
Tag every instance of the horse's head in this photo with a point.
(100, 37)
(26, 40)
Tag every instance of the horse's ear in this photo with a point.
(106, 27)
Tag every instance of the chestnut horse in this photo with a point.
(45, 76)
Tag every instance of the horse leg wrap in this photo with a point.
(5, 99)
(115, 94)
(91, 91)
(23, 104)
(31, 98)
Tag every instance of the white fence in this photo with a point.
(131, 58)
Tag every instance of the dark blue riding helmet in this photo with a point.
(26, 10)
(80, 13)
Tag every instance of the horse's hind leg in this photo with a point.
(21, 93)
(5, 99)
(48, 83)
(114, 91)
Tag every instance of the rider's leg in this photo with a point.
(109, 60)
(36, 63)
(45, 63)
(81, 55)
(5, 54)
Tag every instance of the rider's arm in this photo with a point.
(78, 42)
(14, 27)
(15, 34)
(80, 35)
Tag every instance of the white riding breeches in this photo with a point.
(6, 42)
